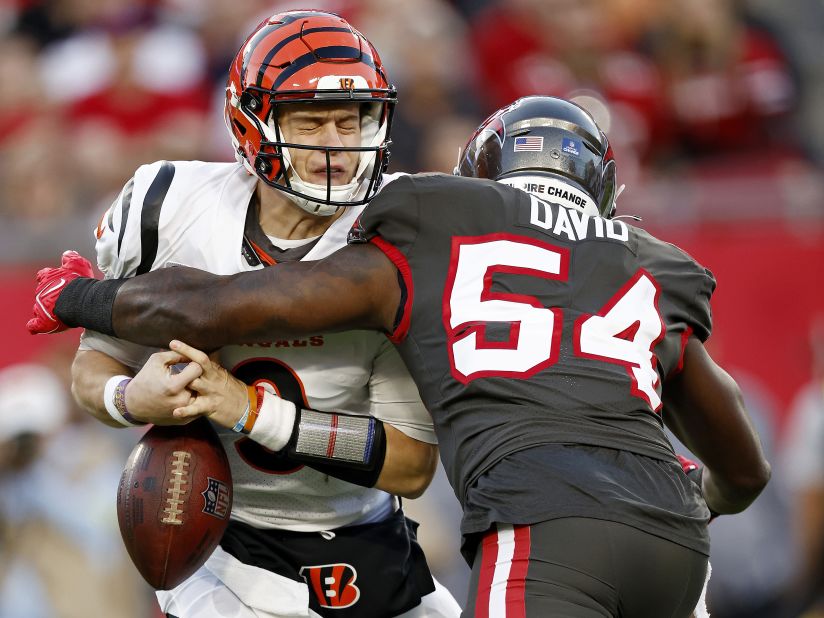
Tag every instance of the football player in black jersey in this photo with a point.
(550, 341)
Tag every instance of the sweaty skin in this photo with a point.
(354, 288)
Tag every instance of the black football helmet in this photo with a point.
(545, 137)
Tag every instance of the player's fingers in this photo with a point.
(184, 377)
(36, 326)
(42, 326)
(193, 410)
(75, 262)
(203, 387)
(189, 352)
(180, 365)
(167, 357)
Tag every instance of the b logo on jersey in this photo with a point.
(333, 584)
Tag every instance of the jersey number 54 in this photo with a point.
(624, 331)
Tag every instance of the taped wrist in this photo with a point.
(347, 447)
(88, 303)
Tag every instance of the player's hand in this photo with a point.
(160, 387)
(50, 283)
(217, 394)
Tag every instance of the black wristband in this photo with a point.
(363, 471)
(88, 303)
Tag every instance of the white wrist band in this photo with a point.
(275, 422)
(108, 400)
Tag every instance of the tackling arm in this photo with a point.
(356, 287)
(704, 409)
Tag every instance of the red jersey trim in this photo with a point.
(262, 255)
(400, 262)
(685, 337)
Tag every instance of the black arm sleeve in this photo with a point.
(347, 447)
(88, 303)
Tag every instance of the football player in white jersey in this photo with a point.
(315, 529)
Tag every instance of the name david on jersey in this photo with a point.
(313, 341)
(574, 224)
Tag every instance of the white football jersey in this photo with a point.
(193, 213)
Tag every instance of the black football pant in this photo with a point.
(582, 568)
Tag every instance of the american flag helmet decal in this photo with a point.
(529, 144)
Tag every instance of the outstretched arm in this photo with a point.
(704, 409)
(355, 288)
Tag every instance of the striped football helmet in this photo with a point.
(302, 57)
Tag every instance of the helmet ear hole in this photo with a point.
(239, 127)
(250, 101)
(264, 166)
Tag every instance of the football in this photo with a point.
(174, 501)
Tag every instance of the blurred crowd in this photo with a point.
(89, 89)
(713, 110)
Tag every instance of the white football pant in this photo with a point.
(224, 587)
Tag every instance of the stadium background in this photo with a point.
(713, 108)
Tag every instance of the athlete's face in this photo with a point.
(323, 124)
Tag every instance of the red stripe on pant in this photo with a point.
(504, 564)
(489, 556)
(516, 582)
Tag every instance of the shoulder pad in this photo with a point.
(128, 233)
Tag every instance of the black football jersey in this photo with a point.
(527, 323)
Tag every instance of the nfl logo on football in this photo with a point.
(216, 497)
